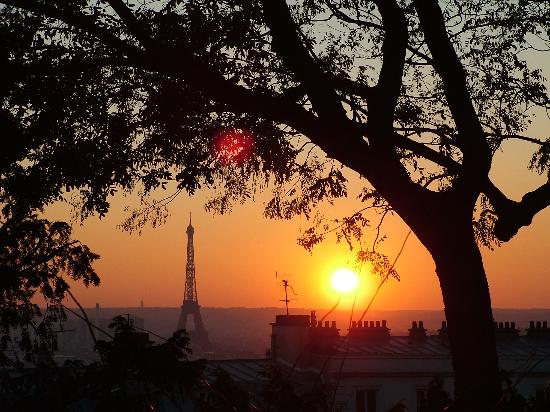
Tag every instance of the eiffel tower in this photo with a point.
(190, 306)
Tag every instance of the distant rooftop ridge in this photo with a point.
(379, 329)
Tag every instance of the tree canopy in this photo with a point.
(101, 96)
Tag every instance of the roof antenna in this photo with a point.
(286, 285)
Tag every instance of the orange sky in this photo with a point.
(237, 256)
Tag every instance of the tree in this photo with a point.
(140, 375)
(437, 399)
(37, 257)
(134, 375)
(226, 395)
(281, 393)
(415, 96)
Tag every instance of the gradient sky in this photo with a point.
(237, 255)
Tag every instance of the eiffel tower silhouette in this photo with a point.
(190, 306)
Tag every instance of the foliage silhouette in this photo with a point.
(137, 375)
(398, 407)
(513, 401)
(227, 394)
(140, 373)
(37, 257)
(283, 394)
(437, 399)
(413, 95)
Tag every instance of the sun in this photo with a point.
(233, 146)
(344, 280)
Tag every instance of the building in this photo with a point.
(373, 370)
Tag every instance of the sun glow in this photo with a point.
(233, 146)
(344, 280)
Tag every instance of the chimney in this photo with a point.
(372, 331)
(538, 330)
(506, 330)
(313, 318)
(443, 333)
(417, 333)
(97, 314)
(289, 335)
(322, 340)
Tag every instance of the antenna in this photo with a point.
(287, 285)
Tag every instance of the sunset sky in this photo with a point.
(237, 256)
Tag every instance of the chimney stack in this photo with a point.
(538, 330)
(371, 331)
(417, 333)
(313, 318)
(443, 333)
(506, 330)
(97, 315)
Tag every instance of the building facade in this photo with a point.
(372, 370)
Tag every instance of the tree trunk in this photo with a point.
(442, 221)
(461, 274)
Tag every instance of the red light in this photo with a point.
(233, 146)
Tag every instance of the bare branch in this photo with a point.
(79, 21)
(352, 86)
(515, 215)
(363, 23)
(288, 45)
(426, 152)
(344, 17)
(391, 73)
(477, 156)
(521, 137)
(137, 28)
